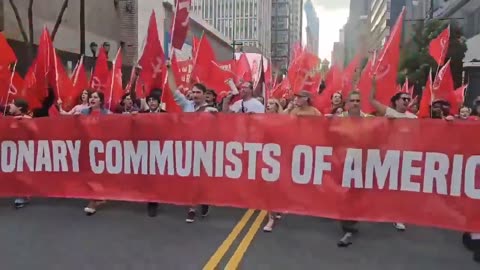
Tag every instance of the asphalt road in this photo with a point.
(55, 234)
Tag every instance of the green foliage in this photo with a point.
(415, 59)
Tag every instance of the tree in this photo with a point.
(415, 60)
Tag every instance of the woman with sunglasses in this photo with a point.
(399, 109)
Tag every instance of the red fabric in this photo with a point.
(348, 75)
(460, 94)
(202, 62)
(62, 85)
(152, 61)
(115, 91)
(333, 85)
(219, 165)
(244, 72)
(439, 46)
(365, 86)
(427, 98)
(167, 97)
(185, 70)
(95, 113)
(7, 55)
(299, 68)
(79, 76)
(386, 67)
(101, 73)
(180, 23)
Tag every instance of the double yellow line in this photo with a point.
(237, 256)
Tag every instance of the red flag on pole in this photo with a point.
(439, 46)
(7, 56)
(180, 23)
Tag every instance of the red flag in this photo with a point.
(365, 86)
(333, 84)
(460, 94)
(79, 76)
(7, 55)
(439, 46)
(312, 83)
(115, 91)
(203, 59)
(62, 85)
(244, 72)
(443, 85)
(180, 24)
(426, 102)
(349, 75)
(99, 80)
(152, 61)
(387, 64)
(299, 69)
(167, 98)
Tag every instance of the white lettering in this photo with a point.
(233, 149)
(302, 153)
(408, 170)
(160, 157)
(94, 148)
(44, 159)
(203, 157)
(136, 158)
(252, 149)
(270, 151)
(352, 169)
(376, 169)
(9, 151)
(321, 165)
(433, 174)
(470, 172)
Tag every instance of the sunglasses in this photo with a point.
(355, 100)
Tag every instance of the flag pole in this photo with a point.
(10, 86)
(113, 79)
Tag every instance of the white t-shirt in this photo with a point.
(250, 106)
(391, 113)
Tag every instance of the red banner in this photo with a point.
(412, 171)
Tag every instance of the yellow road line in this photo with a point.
(237, 257)
(218, 255)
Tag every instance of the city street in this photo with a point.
(55, 234)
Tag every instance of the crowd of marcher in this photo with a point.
(200, 99)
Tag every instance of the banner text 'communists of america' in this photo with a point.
(395, 170)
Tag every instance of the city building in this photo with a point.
(246, 22)
(281, 39)
(383, 15)
(122, 23)
(296, 20)
(313, 27)
(357, 29)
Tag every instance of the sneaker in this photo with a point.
(152, 209)
(346, 240)
(269, 226)
(399, 226)
(204, 210)
(190, 216)
(21, 202)
(476, 256)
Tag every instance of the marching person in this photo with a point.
(302, 105)
(353, 110)
(399, 109)
(97, 108)
(83, 104)
(196, 104)
(273, 107)
(247, 103)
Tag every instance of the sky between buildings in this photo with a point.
(333, 15)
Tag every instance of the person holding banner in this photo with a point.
(197, 104)
(353, 110)
(97, 108)
(399, 109)
(83, 104)
(247, 103)
(302, 105)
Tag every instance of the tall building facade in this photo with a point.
(356, 32)
(296, 20)
(245, 22)
(281, 39)
(313, 27)
(383, 15)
